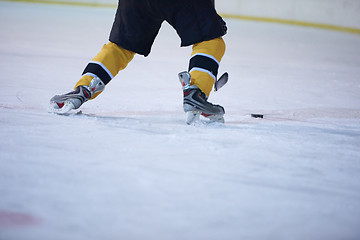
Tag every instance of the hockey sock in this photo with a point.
(204, 63)
(106, 65)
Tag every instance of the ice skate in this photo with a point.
(196, 104)
(62, 104)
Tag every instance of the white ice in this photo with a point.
(130, 168)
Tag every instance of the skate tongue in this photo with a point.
(219, 83)
(185, 79)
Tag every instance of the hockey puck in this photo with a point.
(257, 115)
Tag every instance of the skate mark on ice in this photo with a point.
(17, 107)
(121, 120)
(9, 219)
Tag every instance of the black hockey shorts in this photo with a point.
(137, 22)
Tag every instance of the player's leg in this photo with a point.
(203, 67)
(133, 31)
(204, 63)
(104, 66)
(198, 24)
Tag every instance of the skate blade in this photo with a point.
(54, 108)
(194, 117)
(214, 118)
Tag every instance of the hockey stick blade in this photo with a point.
(221, 81)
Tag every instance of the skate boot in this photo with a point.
(62, 104)
(196, 104)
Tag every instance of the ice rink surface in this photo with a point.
(129, 167)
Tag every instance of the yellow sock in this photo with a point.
(106, 65)
(204, 63)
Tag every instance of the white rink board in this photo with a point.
(335, 12)
(344, 13)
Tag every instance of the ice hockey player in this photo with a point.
(136, 24)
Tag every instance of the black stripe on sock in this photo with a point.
(98, 71)
(204, 62)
